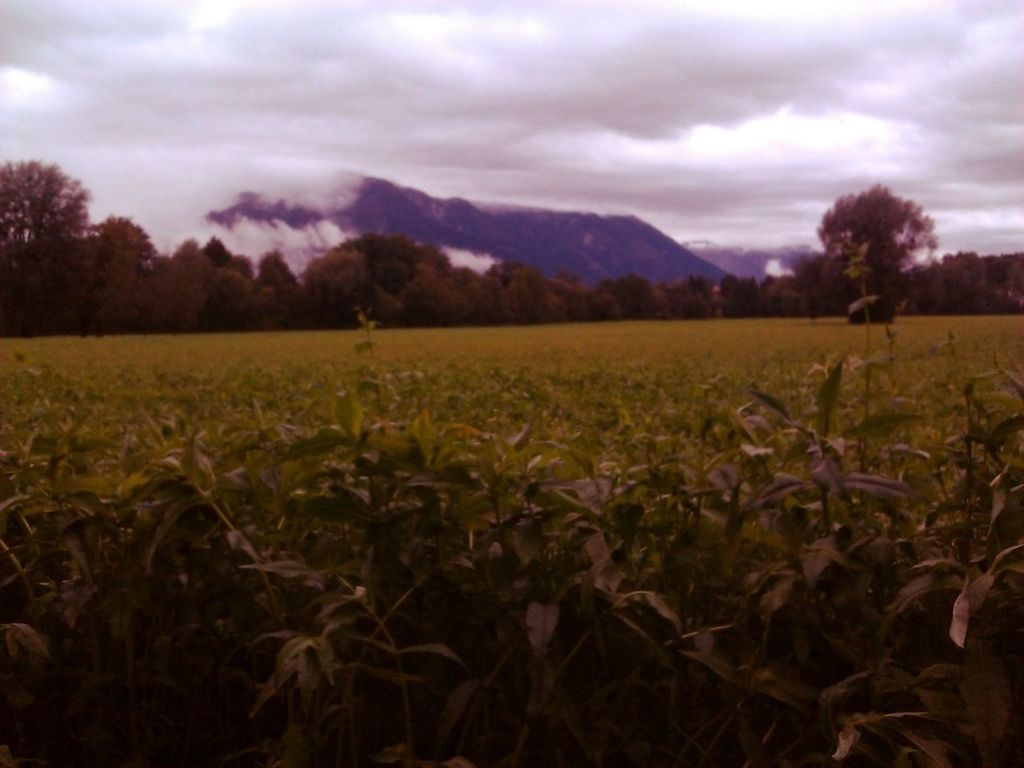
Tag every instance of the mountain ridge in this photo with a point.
(590, 245)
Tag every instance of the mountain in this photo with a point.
(752, 262)
(589, 245)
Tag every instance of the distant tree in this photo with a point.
(391, 260)
(43, 216)
(217, 252)
(231, 304)
(242, 265)
(429, 298)
(967, 284)
(634, 296)
(525, 293)
(334, 286)
(689, 298)
(602, 305)
(1006, 272)
(276, 289)
(893, 229)
(118, 257)
(823, 288)
(572, 296)
(179, 289)
(739, 296)
(780, 297)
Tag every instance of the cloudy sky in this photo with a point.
(721, 120)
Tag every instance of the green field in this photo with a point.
(697, 343)
(658, 543)
(564, 376)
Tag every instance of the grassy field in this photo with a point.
(564, 375)
(702, 345)
(659, 543)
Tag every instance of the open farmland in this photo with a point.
(650, 544)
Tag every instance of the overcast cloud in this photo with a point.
(735, 122)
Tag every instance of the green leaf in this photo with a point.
(848, 737)
(708, 654)
(397, 753)
(168, 517)
(324, 441)
(985, 688)
(859, 304)
(880, 424)
(528, 540)
(817, 558)
(586, 494)
(437, 649)
(779, 594)
(828, 396)
(1007, 427)
(770, 402)
(782, 486)
(391, 675)
(770, 681)
(877, 486)
(1010, 559)
(922, 585)
(24, 636)
(521, 438)
(656, 603)
(423, 432)
(454, 708)
(350, 415)
(827, 476)
(968, 602)
(541, 620)
(290, 569)
(341, 507)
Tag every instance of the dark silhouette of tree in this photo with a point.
(822, 286)
(118, 259)
(335, 286)
(429, 298)
(525, 293)
(391, 261)
(602, 305)
(968, 284)
(276, 291)
(633, 296)
(780, 297)
(180, 287)
(892, 228)
(43, 216)
(217, 252)
(572, 296)
(690, 298)
(231, 304)
(739, 296)
(57, 275)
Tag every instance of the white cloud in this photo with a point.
(736, 121)
(25, 90)
(775, 268)
(299, 245)
(784, 134)
(478, 262)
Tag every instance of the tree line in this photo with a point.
(61, 275)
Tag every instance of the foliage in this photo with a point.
(890, 229)
(530, 559)
(43, 216)
(57, 275)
